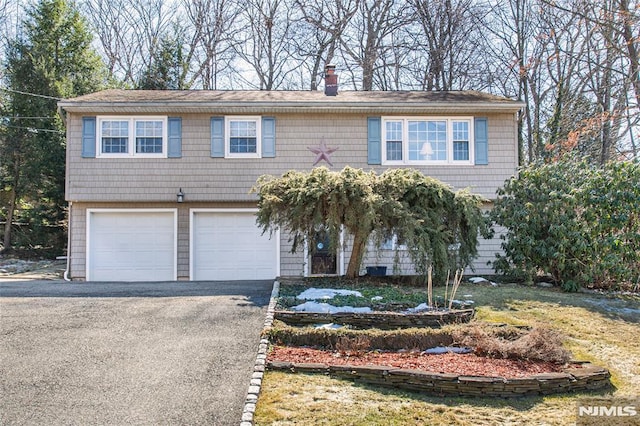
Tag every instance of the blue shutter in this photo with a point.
(174, 149)
(268, 137)
(88, 137)
(217, 137)
(481, 134)
(374, 140)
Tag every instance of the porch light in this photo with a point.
(180, 195)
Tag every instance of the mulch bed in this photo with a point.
(461, 364)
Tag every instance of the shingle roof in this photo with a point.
(261, 101)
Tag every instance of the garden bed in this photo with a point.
(598, 327)
(380, 320)
(532, 380)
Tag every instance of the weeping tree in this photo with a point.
(440, 226)
(304, 203)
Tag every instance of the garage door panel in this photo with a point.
(132, 246)
(230, 246)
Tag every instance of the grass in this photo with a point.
(396, 293)
(599, 328)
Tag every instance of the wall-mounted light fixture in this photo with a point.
(180, 195)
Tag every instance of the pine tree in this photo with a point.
(52, 60)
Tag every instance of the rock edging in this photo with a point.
(574, 378)
(259, 367)
(381, 320)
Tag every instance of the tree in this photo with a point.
(267, 44)
(577, 222)
(168, 67)
(305, 203)
(440, 227)
(54, 60)
(213, 28)
(367, 38)
(450, 38)
(325, 20)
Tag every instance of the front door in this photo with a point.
(323, 257)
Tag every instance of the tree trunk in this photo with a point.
(7, 226)
(357, 253)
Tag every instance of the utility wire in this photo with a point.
(33, 129)
(30, 94)
(11, 117)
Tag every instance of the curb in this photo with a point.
(259, 367)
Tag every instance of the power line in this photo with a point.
(34, 129)
(30, 94)
(11, 117)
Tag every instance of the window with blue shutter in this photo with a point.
(268, 137)
(217, 137)
(175, 137)
(481, 133)
(88, 137)
(374, 140)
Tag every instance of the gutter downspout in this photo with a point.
(66, 272)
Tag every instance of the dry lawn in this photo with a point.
(600, 329)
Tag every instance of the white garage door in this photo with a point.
(230, 246)
(131, 246)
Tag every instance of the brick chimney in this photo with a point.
(330, 80)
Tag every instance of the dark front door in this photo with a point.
(323, 258)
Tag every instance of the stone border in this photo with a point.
(261, 359)
(584, 378)
(381, 320)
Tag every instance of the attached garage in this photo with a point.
(228, 245)
(131, 245)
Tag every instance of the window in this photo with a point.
(418, 140)
(115, 137)
(392, 243)
(132, 136)
(149, 137)
(394, 140)
(243, 140)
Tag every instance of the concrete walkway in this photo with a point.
(135, 354)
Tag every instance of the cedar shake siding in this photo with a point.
(291, 122)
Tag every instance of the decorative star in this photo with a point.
(323, 152)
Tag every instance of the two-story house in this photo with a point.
(158, 182)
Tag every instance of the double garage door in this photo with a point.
(141, 245)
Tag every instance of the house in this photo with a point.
(158, 182)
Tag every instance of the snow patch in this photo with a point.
(420, 308)
(445, 349)
(325, 293)
(480, 280)
(330, 326)
(325, 308)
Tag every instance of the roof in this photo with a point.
(207, 101)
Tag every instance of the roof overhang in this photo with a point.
(239, 102)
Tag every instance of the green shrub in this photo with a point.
(576, 222)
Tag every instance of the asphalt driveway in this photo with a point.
(136, 354)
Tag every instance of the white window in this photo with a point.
(427, 140)
(393, 243)
(243, 137)
(122, 137)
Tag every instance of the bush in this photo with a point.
(538, 344)
(576, 222)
